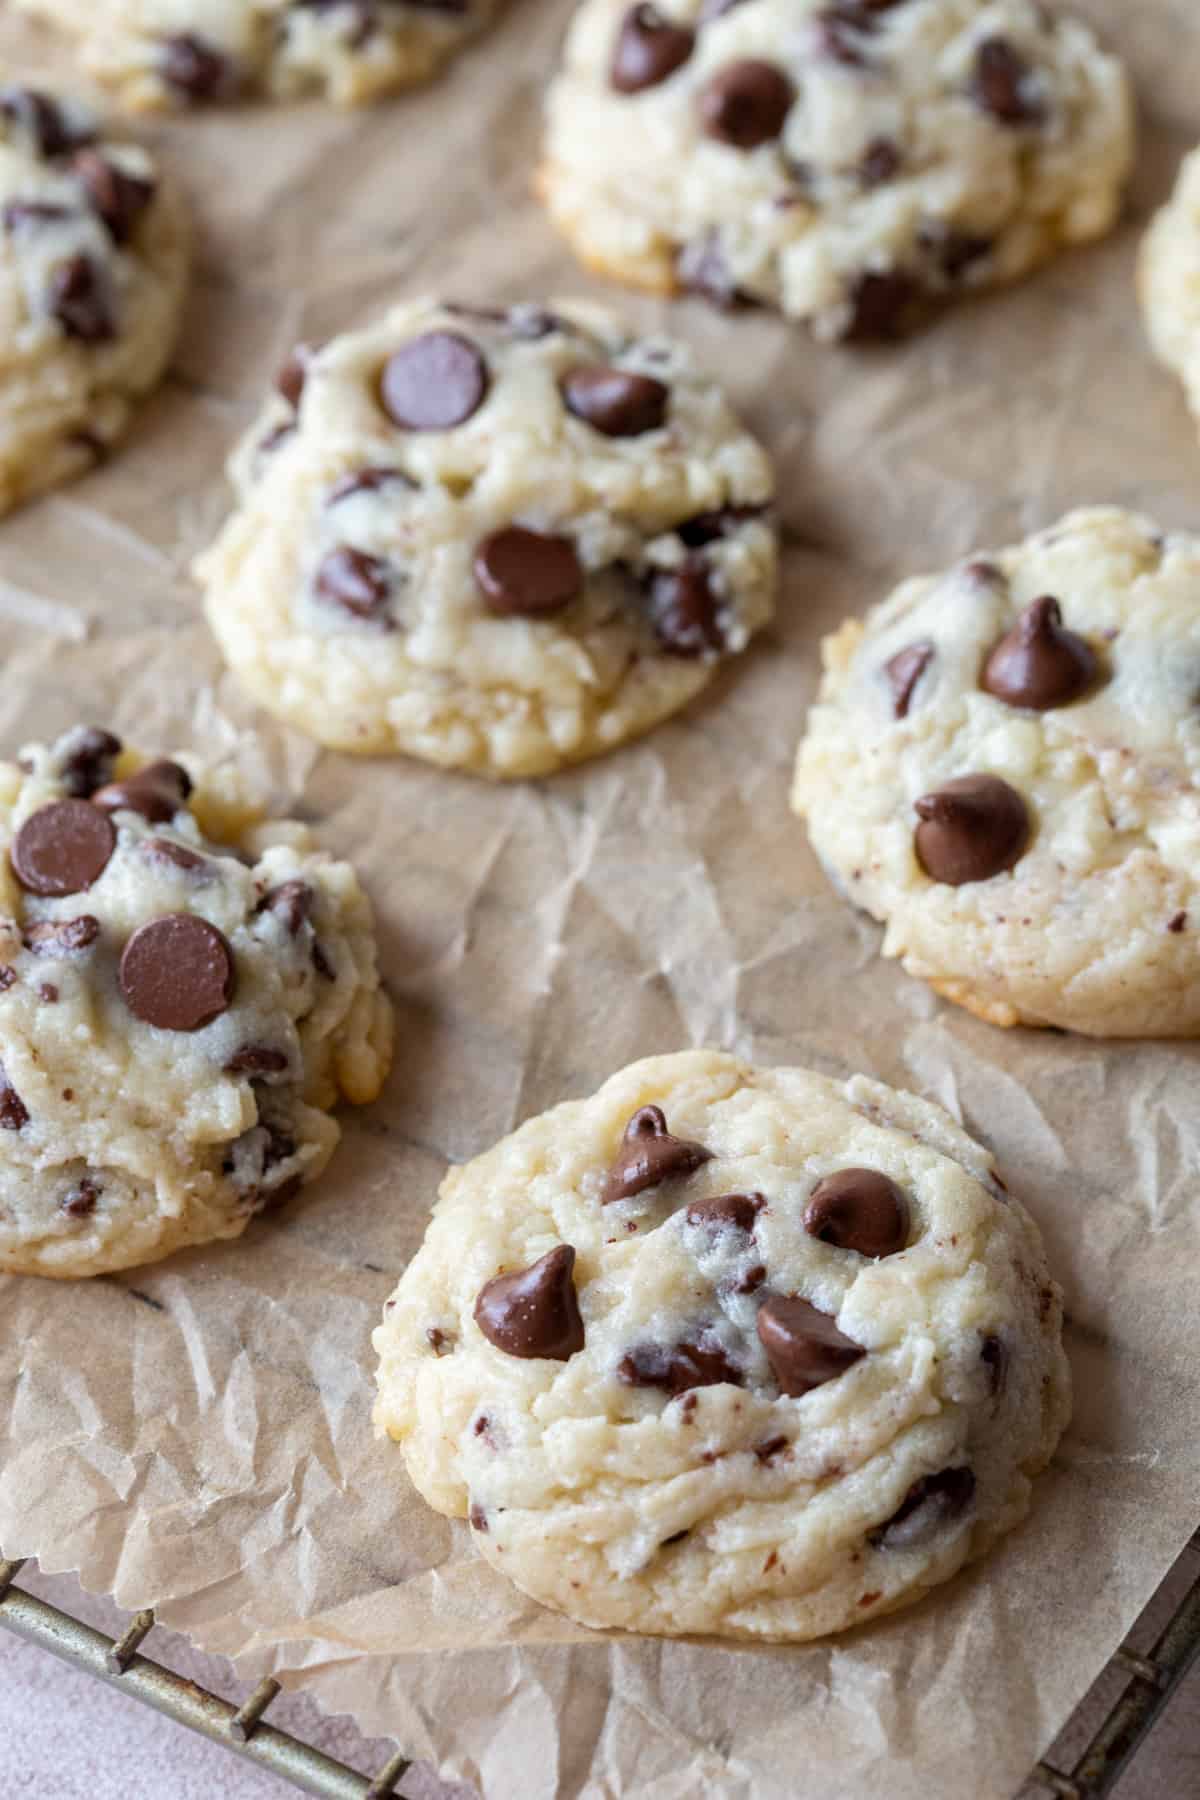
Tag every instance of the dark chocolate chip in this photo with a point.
(970, 829)
(903, 672)
(931, 1503)
(527, 574)
(1001, 84)
(433, 383)
(356, 582)
(89, 761)
(858, 1209)
(724, 1212)
(953, 251)
(649, 1154)
(157, 792)
(177, 973)
(78, 298)
(292, 375)
(751, 1281)
(368, 481)
(1177, 922)
(804, 1347)
(993, 1353)
(118, 198)
(257, 1059)
(195, 70)
(882, 302)
(63, 848)
(438, 1339)
(746, 103)
(648, 49)
(708, 527)
(697, 1362)
(534, 1312)
(43, 120)
(291, 902)
(164, 850)
(683, 610)
(770, 1448)
(1040, 664)
(13, 1112)
(616, 402)
(61, 937)
(880, 161)
(80, 1201)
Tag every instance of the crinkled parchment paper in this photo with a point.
(197, 1434)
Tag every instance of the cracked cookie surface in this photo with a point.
(727, 1350)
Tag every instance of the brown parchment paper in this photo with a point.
(197, 1434)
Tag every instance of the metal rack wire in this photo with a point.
(1149, 1679)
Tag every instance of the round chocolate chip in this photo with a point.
(293, 373)
(63, 848)
(534, 1311)
(726, 1212)
(745, 103)
(1002, 84)
(903, 672)
(434, 382)
(77, 296)
(177, 973)
(117, 198)
(1039, 663)
(356, 582)
(615, 401)
(527, 574)
(683, 610)
(931, 1503)
(970, 829)
(649, 1154)
(858, 1209)
(157, 792)
(194, 69)
(648, 49)
(804, 1347)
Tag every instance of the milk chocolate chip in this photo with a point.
(722, 1212)
(683, 609)
(177, 972)
(14, 1114)
(616, 402)
(78, 299)
(62, 848)
(804, 1347)
(527, 574)
(695, 1362)
(648, 49)
(157, 792)
(648, 1155)
(903, 672)
(931, 1503)
(1039, 663)
(60, 937)
(858, 1209)
(437, 381)
(119, 199)
(534, 1311)
(745, 103)
(970, 830)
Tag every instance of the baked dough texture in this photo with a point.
(1169, 281)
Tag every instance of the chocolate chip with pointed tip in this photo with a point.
(804, 1346)
(726, 1212)
(61, 937)
(649, 1154)
(903, 672)
(360, 584)
(1002, 84)
(859, 1209)
(930, 1504)
(746, 103)
(1039, 663)
(649, 48)
(14, 1114)
(116, 197)
(970, 829)
(534, 1312)
(702, 1361)
(527, 574)
(683, 610)
(177, 973)
(78, 297)
(619, 403)
(434, 382)
(62, 848)
(195, 70)
(156, 792)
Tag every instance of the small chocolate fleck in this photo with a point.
(14, 1114)
(47, 993)
(616, 402)
(527, 574)
(434, 382)
(993, 1353)
(1039, 663)
(649, 48)
(157, 792)
(62, 848)
(770, 1448)
(970, 829)
(478, 1518)
(177, 973)
(1178, 922)
(804, 1346)
(293, 374)
(8, 976)
(649, 1154)
(746, 103)
(438, 1339)
(931, 1503)
(81, 1200)
(860, 1210)
(534, 1312)
(904, 671)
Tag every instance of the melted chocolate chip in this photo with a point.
(970, 830)
(882, 302)
(194, 69)
(1001, 84)
(62, 848)
(356, 582)
(616, 402)
(43, 120)
(433, 383)
(693, 1363)
(649, 48)
(88, 761)
(804, 1347)
(156, 792)
(527, 574)
(177, 973)
(14, 1114)
(683, 610)
(649, 1154)
(746, 103)
(534, 1312)
(292, 375)
(931, 1503)
(61, 937)
(257, 1059)
(1039, 663)
(80, 1201)
(78, 298)
(119, 199)
(368, 481)
(858, 1209)
(291, 902)
(903, 672)
(724, 1212)
(880, 161)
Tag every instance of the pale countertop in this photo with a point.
(66, 1736)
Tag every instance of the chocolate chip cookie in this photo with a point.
(728, 1350)
(1169, 281)
(185, 992)
(501, 539)
(93, 268)
(845, 161)
(161, 54)
(1002, 767)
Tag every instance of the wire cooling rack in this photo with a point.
(1146, 1679)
